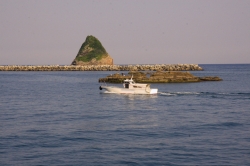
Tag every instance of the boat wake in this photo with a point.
(178, 93)
(211, 94)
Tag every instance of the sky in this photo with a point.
(51, 32)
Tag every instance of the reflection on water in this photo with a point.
(132, 111)
(132, 101)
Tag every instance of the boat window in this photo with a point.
(137, 86)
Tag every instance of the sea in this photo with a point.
(61, 118)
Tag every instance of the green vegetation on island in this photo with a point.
(92, 52)
(91, 48)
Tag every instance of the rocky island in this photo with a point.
(158, 77)
(92, 53)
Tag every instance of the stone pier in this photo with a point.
(156, 67)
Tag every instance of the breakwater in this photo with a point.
(156, 67)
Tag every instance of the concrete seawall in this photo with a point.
(156, 67)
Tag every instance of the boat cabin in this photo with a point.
(130, 84)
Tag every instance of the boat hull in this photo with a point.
(111, 89)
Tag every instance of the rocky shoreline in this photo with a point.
(158, 77)
(156, 67)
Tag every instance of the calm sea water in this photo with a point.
(61, 118)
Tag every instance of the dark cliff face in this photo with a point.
(92, 53)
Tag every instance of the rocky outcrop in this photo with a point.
(158, 77)
(161, 67)
(92, 53)
(104, 61)
(210, 78)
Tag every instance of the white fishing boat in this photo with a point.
(130, 87)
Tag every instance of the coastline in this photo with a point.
(155, 67)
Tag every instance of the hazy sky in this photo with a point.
(47, 32)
